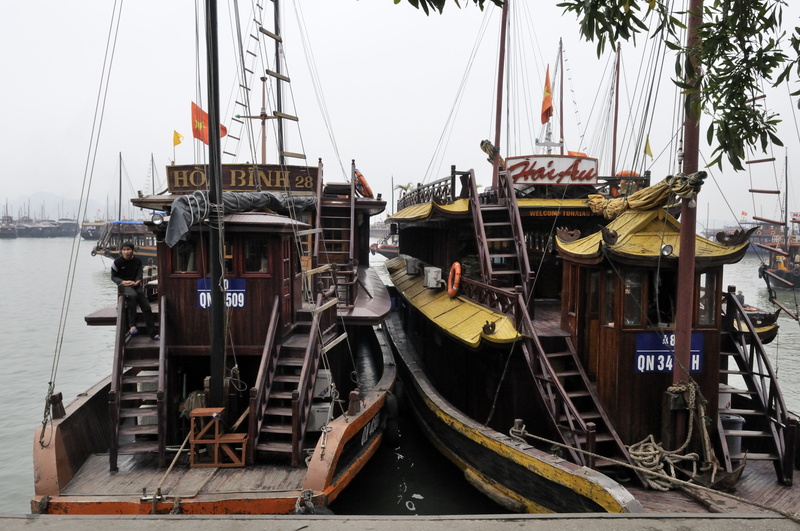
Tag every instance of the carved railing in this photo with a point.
(441, 191)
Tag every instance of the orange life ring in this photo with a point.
(362, 187)
(758, 232)
(772, 232)
(454, 280)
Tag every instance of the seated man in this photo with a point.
(126, 272)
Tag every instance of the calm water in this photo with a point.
(405, 478)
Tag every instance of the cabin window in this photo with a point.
(184, 257)
(228, 253)
(632, 301)
(708, 297)
(256, 255)
(661, 302)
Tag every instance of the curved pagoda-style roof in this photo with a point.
(460, 207)
(636, 238)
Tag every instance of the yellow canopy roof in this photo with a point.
(639, 238)
(422, 211)
(458, 317)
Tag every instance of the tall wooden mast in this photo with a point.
(685, 303)
(499, 108)
(217, 363)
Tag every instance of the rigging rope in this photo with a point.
(88, 174)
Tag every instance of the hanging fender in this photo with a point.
(454, 280)
(362, 187)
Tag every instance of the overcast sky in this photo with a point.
(388, 73)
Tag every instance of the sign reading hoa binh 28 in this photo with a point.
(244, 178)
(552, 169)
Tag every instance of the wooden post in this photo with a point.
(591, 443)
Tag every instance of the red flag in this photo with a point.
(200, 124)
(547, 102)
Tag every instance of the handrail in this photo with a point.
(301, 398)
(161, 400)
(352, 245)
(116, 382)
(480, 230)
(519, 234)
(441, 190)
(558, 404)
(764, 385)
(259, 393)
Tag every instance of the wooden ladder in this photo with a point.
(137, 395)
(500, 238)
(768, 432)
(248, 63)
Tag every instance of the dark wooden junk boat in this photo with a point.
(266, 390)
(581, 369)
(291, 423)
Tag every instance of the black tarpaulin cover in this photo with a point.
(188, 210)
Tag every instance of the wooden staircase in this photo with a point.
(768, 432)
(574, 409)
(137, 398)
(500, 238)
(290, 368)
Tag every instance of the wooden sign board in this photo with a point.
(552, 169)
(244, 178)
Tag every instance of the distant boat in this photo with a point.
(114, 233)
(91, 230)
(8, 228)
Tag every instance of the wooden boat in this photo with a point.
(115, 233)
(266, 391)
(570, 385)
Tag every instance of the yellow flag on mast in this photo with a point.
(647, 150)
(177, 138)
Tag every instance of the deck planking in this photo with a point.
(757, 492)
(138, 472)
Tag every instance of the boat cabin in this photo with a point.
(619, 299)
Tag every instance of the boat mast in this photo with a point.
(499, 107)
(561, 94)
(278, 87)
(616, 116)
(217, 362)
(786, 236)
(686, 266)
(119, 190)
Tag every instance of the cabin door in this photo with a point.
(286, 285)
(592, 329)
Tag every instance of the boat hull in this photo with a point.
(71, 472)
(511, 472)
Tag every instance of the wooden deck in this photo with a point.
(137, 472)
(757, 492)
(547, 319)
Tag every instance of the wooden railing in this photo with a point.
(259, 393)
(116, 382)
(441, 191)
(762, 381)
(161, 392)
(324, 317)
